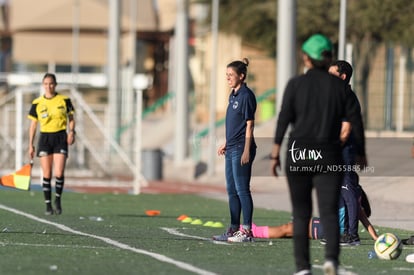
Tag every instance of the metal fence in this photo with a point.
(94, 155)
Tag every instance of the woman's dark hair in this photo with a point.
(240, 67)
(52, 76)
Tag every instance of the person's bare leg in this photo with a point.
(281, 231)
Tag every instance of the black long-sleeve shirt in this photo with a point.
(315, 104)
(359, 126)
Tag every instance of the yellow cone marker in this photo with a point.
(209, 223)
(197, 222)
(217, 225)
(187, 220)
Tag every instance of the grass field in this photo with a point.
(110, 234)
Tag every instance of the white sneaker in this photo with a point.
(241, 236)
(329, 268)
(303, 272)
(410, 258)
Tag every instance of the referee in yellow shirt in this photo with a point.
(54, 112)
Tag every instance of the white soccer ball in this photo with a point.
(388, 246)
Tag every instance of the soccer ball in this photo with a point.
(388, 246)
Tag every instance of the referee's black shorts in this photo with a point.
(52, 143)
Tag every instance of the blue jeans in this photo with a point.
(238, 186)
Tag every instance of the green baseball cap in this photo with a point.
(316, 45)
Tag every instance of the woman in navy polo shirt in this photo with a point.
(240, 151)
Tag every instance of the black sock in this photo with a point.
(47, 191)
(60, 181)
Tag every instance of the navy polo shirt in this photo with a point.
(242, 107)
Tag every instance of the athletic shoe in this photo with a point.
(223, 237)
(303, 272)
(322, 241)
(58, 207)
(241, 236)
(410, 258)
(49, 210)
(409, 241)
(330, 268)
(349, 240)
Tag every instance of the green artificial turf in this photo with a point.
(111, 234)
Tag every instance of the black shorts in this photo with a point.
(52, 143)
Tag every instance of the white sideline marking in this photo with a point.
(156, 256)
(173, 231)
(341, 270)
(53, 245)
(403, 268)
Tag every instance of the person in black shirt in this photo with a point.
(314, 105)
(350, 190)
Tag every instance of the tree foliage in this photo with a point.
(254, 22)
(386, 20)
(317, 17)
(382, 20)
(370, 23)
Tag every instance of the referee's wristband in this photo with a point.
(72, 131)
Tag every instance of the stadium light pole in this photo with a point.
(211, 169)
(286, 48)
(139, 101)
(286, 45)
(128, 96)
(80, 147)
(399, 124)
(342, 31)
(75, 43)
(138, 145)
(113, 67)
(181, 62)
(19, 130)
